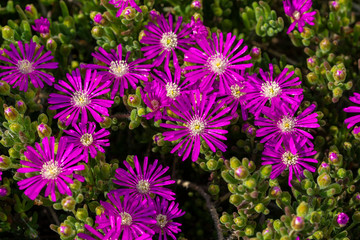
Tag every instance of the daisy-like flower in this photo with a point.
(122, 4)
(163, 39)
(42, 25)
(216, 60)
(165, 213)
(294, 156)
(297, 10)
(104, 236)
(119, 70)
(351, 121)
(156, 100)
(27, 66)
(281, 124)
(131, 217)
(80, 98)
(259, 91)
(146, 180)
(198, 118)
(53, 171)
(87, 139)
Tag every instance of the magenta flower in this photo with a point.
(98, 18)
(42, 25)
(122, 4)
(293, 156)
(27, 65)
(87, 139)
(269, 89)
(198, 29)
(163, 39)
(147, 180)
(281, 125)
(80, 98)
(198, 118)
(216, 60)
(351, 121)
(121, 72)
(131, 217)
(342, 219)
(297, 10)
(51, 171)
(104, 236)
(165, 213)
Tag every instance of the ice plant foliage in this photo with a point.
(27, 65)
(297, 11)
(84, 137)
(52, 170)
(122, 4)
(216, 59)
(164, 38)
(80, 97)
(144, 180)
(119, 70)
(293, 155)
(198, 118)
(271, 89)
(351, 121)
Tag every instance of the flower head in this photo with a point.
(80, 97)
(42, 25)
(120, 71)
(129, 218)
(271, 89)
(87, 139)
(146, 180)
(293, 156)
(27, 65)
(351, 121)
(122, 4)
(216, 60)
(198, 29)
(281, 124)
(52, 171)
(163, 39)
(165, 213)
(105, 235)
(342, 219)
(297, 10)
(198, 118)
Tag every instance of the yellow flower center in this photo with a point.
(161, 220)
(80, 99)
(25, 67)
(270, 89)
(119, 68)
(86, 139)
(289, 159)
(143, 186)
(169, 41)
(50, 170)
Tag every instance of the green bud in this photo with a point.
(265, 171)
(339, 73)
(76, 185)
(141, 111)
(278, 224)
(3, 217)
(214, 189)
(349, 85)
(255, 53)
(341, 173)
(297, 223)
(232, 188)
(303, 209)
(312, 62)
(312, 78)
(267, 234)
(337, 92)
(65, 230)
(251, 166)
(81, 214)
(318, 235)
(250, 183)
(4, 88)
(240, 221)
(225, 218)
(275, 192)
(5, 162)
(11, 114)
(51, 44)
(235, 199)
(14, 153)
(212, 164)
(307, 33)
(97, 32)
(325, 45)
(16, 127)
(133, 100)
(259, 208)
(249, 230)
(241, 173)
(61, 124)
(234, 163)
(323, 180)
(227, 177)
(129, 13)
(43, 130)
(79, 198)
(356, 217)
(105, 122)
(7, 33)
(68, 203)
(31, 11)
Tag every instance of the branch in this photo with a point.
(210, 205)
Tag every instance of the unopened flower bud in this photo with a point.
(234, 163)
(21, 106)
(267, 234)
(334, 5)
(240, 221)
(129, 13)
(196, 4)
(265, 171)
(105, 122)
(133, 100)
(214, 189)
(11, 114)
(312, 78)
(43, 130)
(99, 210)
(297, 223)
(324, 167)
(16, 127)
(337, 92)
(241, 173)
(31, 11)
(302, 209)
(65, 230)
(259, 208)
(312, 62)
(154, 15)
(212, 164)
(68, 203)
(4, 191)
(250, 183)
(315, 217)
(323, 180)
(51, 44)
(318, 235)
(341, 172)
(325, 45)
(97, 32)
(255, 53)
(225, 218)
(98, 18)
(340, 74)
(81, 214)
(249, 230)
(342, 219)
(4, 87)
(7, 33)
(333, 157)
(235, 199)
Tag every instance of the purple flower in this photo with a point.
(198, 29)
(42, 25)
(118, 70)
(296, 9)
(52, 171)
(80, 98)
(104, 235)
(216, 60)
(163, 39)
(87, 139)
(269, 89)
(146, 180)
(130, 218)
(3, 191)
(196, 4)
(198, 118)
(351, 121)
(281, 125)
(122, 4)
(342, 219)
(156, 100)
(293, 156)
(98, 18)
(1, 175)
(165, 213)
(27, 65)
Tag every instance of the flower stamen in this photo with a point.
(25, 66)
(119, 68)
(50, 170)
(270, 89)
(169, 41)
(289, 159)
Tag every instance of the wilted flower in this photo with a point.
(42, 25)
